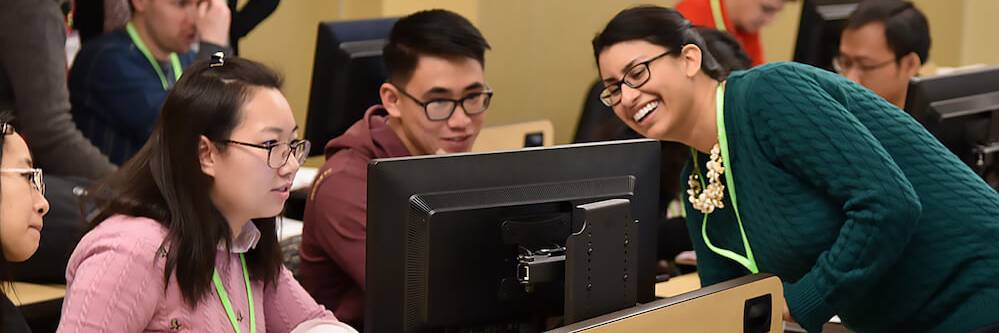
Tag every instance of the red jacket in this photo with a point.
(332, 250)
(699, 14)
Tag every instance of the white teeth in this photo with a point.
(645, 111)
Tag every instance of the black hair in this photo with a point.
(164, 181)
(434, 32)
(657, 25)
(6, 279)
(725, 49)
(906, 28)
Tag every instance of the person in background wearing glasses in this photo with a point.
(22, 205)
(845, 197)
(184, 238)
(884, 45)
(433, 103)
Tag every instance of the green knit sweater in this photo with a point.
(857, 208)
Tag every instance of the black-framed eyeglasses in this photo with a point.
(440, 109)
(843, 64)
(33, 175)
(634, 77)
(278, 153)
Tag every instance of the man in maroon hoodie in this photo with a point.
(433, 103)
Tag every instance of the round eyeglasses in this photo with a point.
(278, 153)
(440, 109)
(634, 77)
(843, 64)
(32, 175)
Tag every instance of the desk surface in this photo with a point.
(29, 293)
(678, 285)
(690, 282)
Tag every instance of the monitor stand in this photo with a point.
(601, 261)
(598, 264)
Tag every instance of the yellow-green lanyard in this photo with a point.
(716, 13)
(174, 59)
(224, 297)
(748, 261)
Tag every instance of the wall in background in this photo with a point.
(541, 63)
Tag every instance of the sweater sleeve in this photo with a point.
(33, 61)
(289, 306)
(811, 135)
(114, 282)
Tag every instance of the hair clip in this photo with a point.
(218, 59)
(6, 128)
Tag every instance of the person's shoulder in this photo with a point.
(111, 57)
(344, 170)
(112, 43)
(777, 75)
(121, 242)
(134, 230)
(781, 67)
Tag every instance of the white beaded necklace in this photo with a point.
(712, 196)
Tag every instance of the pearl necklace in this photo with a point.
(710, 198)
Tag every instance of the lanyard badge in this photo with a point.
(748, 260)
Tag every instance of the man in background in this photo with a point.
(884, 45)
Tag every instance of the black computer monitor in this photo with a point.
(822, 22)
(513, 241)
(962, 110)
(346, 75)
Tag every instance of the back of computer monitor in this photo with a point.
(822, 22)
(959, 109)
(347, 73)
(437, 226)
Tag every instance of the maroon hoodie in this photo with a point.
(332, 251)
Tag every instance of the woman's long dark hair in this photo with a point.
(6, 279)
(660, 26)
(164, 181)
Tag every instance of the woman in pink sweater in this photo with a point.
(184, 239)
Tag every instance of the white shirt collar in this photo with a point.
(247, 238)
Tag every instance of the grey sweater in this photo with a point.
(33, 88)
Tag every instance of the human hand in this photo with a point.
(787, 313)
(213, 22)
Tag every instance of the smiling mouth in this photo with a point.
(458, 139)
(645, 111)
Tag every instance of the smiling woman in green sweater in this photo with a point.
(798, 172)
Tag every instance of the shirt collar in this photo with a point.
(247, 238)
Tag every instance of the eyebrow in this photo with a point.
(437, 91)
(858, 58)
(623, 70)
(29, 162)
(278, 130)
(474, 86)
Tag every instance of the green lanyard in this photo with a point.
(716, 13)
(174, 60)
(748, 261)
(228, 305)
